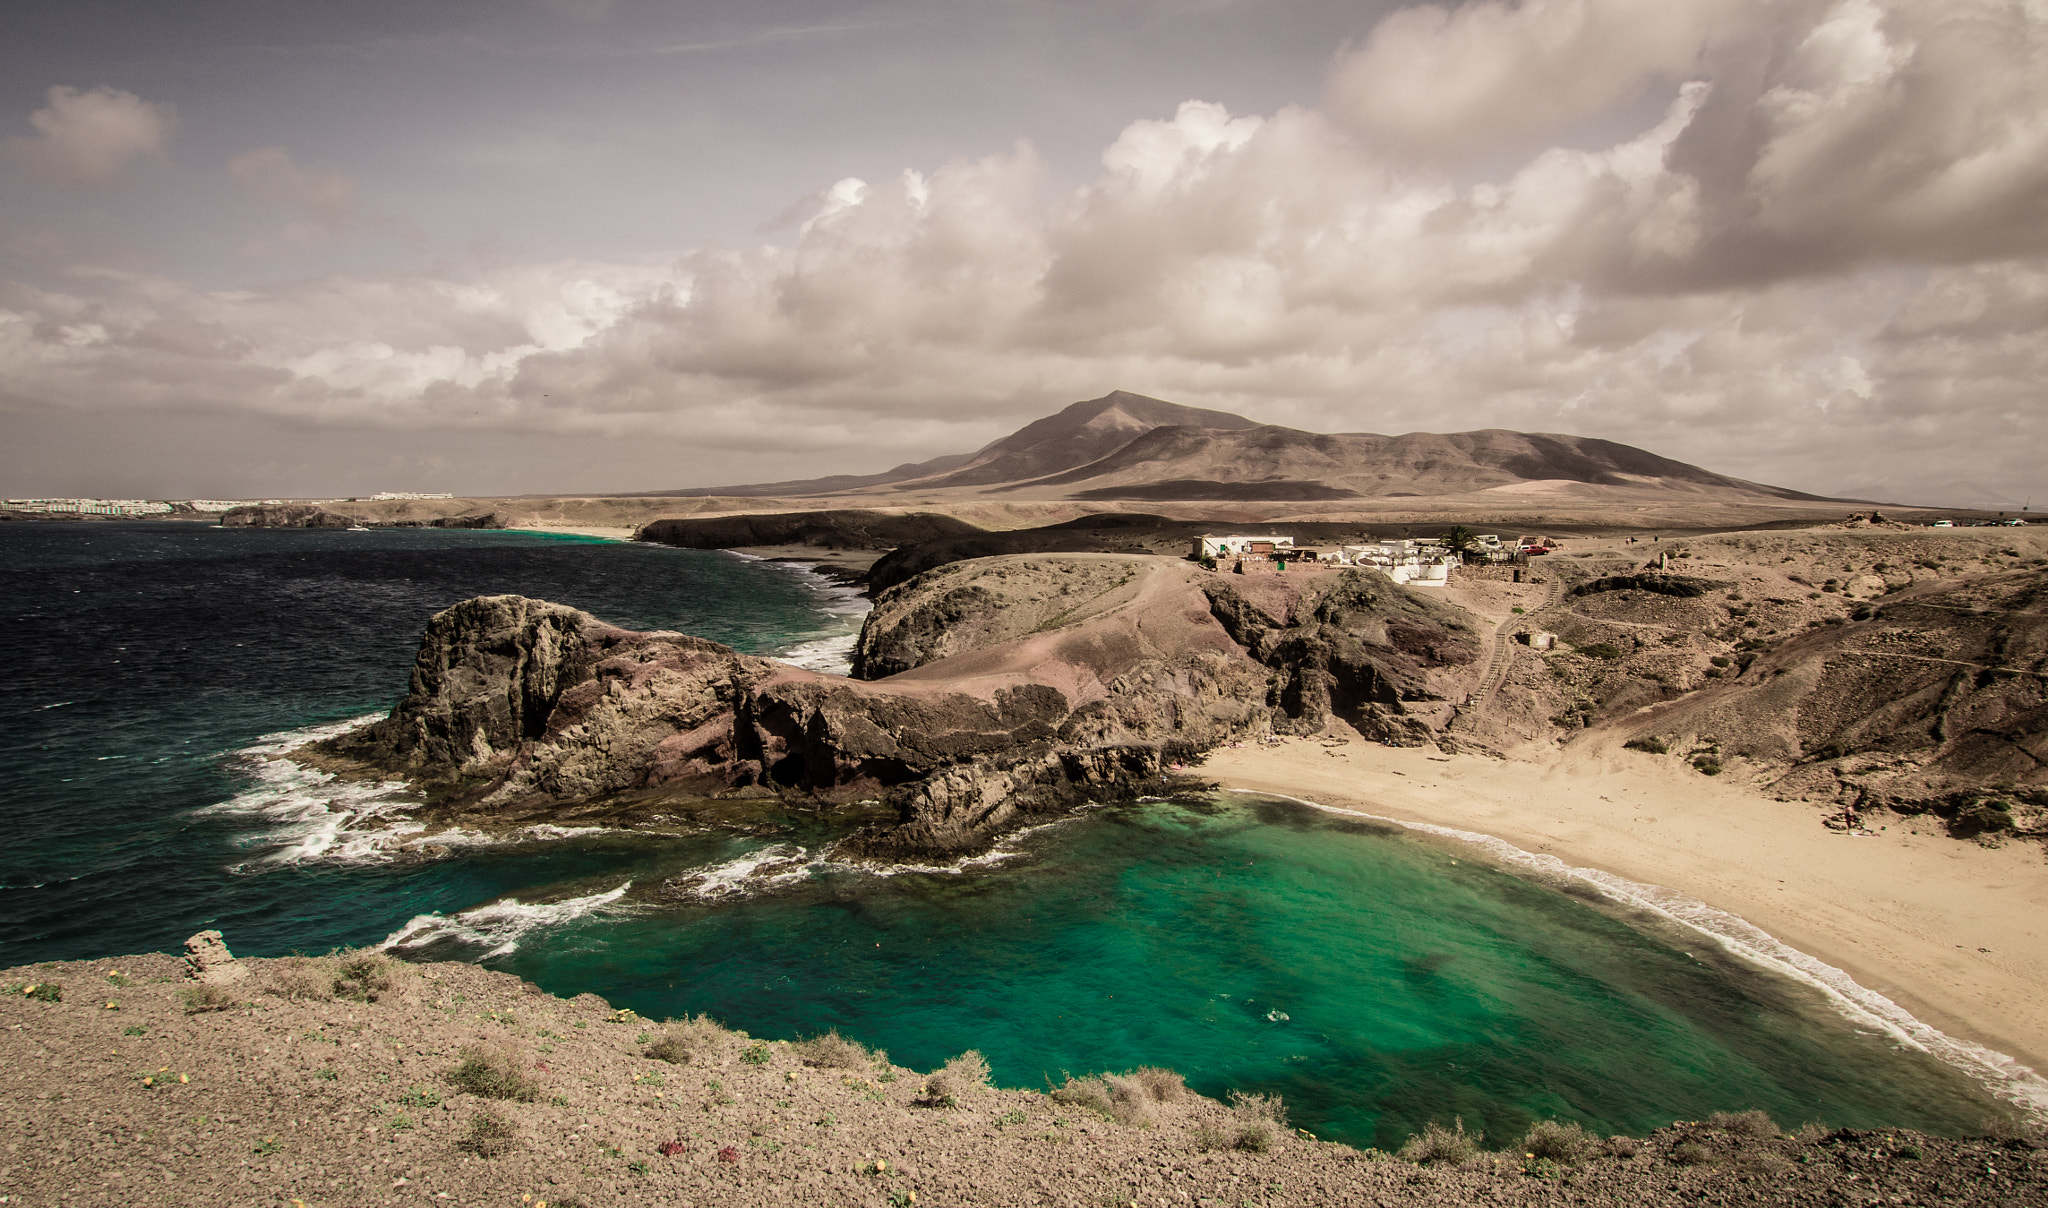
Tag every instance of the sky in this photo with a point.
(266, 248)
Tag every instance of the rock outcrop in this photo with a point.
(1014, 687)
(308, 515)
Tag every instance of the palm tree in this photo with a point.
(1458, 540)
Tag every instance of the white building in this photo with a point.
(91, 507)
(412, 495)
(1415, 563)
(1243, 547)
(211, 505)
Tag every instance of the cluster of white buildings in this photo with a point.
(1417, 563)
(92, 507)
(412, 495)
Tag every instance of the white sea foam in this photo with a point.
(500, 926)
(315, 815)
(1865, 1008)
(832, 653)
(784, 864)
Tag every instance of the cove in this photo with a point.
(1374, 980)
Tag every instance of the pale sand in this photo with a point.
(575, 530)
(1953, 932)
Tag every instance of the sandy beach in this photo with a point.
(1949, 930)
(576, 530)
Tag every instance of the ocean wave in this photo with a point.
(1865, 1008)
(315, 815)
(499, 926)
(827, 656)
(829, 653)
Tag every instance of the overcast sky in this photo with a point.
(274, 247)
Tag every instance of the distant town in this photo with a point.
(162, 507)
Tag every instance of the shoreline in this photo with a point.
(1951, 933)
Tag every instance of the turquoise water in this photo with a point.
(1374, 980)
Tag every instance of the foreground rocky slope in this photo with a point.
(1019, 686)
(351, 1080)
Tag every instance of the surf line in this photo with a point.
(1998, 1073)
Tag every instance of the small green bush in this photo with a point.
(1649, 744)
(420, 1096)
(489, 1134)
(362, 974)
(134, 1029)
(757, 1053)
(493, 1072)
(326, 1073)
(1564, 1142)
(1707, 765)
(48, 991)
(1435, 1143)
(205, 997)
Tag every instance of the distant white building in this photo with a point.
(91, 507)
(412, 495)
(211, 505)
(1243, 547)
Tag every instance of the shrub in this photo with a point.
(300, 977)
(48, 991)
(205, 997)
(1649, 744)
(682, 1041)
(757, 1053)
(1089, 1093)
(1164, 1086)
(1558, 1141)
(488, 1134)
(1209, 1135)
(834, 1052)
(1435, 1143)
(1622, 1147)
(964, 1075)
(1753, 1124)
(1707, 765)
(493, 1072)
(1690, 1153)
(361, 974)
(1260, 1119)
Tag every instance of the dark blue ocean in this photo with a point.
(1373, 979)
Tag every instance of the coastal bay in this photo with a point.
(1952, 932)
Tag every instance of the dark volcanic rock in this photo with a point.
(844, 529)
(283, 515)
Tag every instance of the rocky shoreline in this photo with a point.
(355, 1079)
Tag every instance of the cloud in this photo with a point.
(88, 136)
(326, 196)
(1818, 259)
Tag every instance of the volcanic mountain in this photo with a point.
(1130, 447)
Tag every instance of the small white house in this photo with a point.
(1415, 563)
(1243, 547)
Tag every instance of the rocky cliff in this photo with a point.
(1013, 687)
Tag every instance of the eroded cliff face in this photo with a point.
(1033, 701)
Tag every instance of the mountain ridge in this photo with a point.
(1126, 446)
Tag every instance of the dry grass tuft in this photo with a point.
(494, 1071)
(488, 1134)
(964, 1075)
(1559, 1141)
(300, 978)
(834, 1052)
(1435, 1143)
(1261, 1120)
(690, 1039)
(204, 997)
(1756, 1125)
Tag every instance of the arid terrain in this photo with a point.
(351, 1080)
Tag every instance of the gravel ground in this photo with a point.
(288, 1095)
